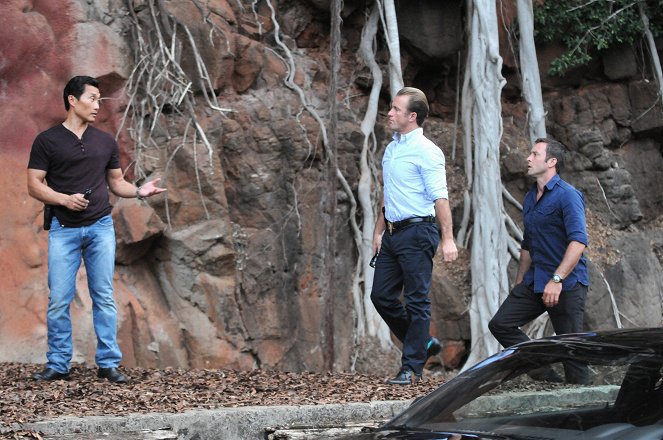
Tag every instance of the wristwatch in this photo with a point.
(556, 279)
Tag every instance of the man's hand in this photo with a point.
(76, 202)
(149, 189)
(551, 294)
(377, 243)
(449, 250)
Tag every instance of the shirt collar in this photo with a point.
(408, 136)
(552, 182)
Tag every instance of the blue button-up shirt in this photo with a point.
(551, 223)
(414, 177)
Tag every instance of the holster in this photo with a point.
(48, 217)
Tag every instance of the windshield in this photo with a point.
(622, 391)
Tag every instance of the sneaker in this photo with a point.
(433, 348)
(405, 377)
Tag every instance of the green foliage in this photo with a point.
(587, 27)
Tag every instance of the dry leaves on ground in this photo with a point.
(25, 400)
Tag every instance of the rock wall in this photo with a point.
(227, 269)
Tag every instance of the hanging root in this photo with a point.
(158, 83)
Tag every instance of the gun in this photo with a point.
(48, 216)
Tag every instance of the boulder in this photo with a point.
(212, 28)
(619, 62)
(643, 160)
(646, 112)
(433, 29)
(635, 281)
(136, 227)
(104, 54)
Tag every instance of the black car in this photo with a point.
(521, 393)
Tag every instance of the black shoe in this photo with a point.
(434, 347)
(50, 374)
(405, 377)
(112, 374)
(545, 374)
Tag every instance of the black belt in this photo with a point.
(393, 227)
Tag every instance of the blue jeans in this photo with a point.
(96, 244)
(405, 267)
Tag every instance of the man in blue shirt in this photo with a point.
(406, 238)
(552, 275)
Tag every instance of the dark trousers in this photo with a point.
(524, 305)
(405, 266)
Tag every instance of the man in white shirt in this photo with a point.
(406, 238)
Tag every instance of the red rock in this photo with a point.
(453, 354)
(136, 226)
(249, 62)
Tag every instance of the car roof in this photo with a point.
(650, 339)
(640, 346)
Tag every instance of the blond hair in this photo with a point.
(417, 104)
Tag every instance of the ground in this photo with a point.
(25, 400)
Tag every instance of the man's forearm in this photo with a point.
(523, 265)
(124, 189)
(119, 186)
(443, 214)
(380, 225)
(38, 189)
(571, 257)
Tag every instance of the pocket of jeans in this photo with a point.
(106, 220)
(55, 225)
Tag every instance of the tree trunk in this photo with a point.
(368, 320)
(330, 257)
(653, 52)
(489, 236)
(529, 70)
(536, 121)
(466, 118)
(391, 33)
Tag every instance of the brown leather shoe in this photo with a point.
(50, 374)
(112, 374)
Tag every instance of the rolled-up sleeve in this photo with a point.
(434, 175)
(574, 217)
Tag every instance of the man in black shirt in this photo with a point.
(72, 165)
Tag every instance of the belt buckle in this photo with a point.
(390, 228)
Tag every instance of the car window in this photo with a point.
(621, 393)
(523, 395)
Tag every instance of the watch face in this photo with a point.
(557, 278)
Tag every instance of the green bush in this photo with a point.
(587, 27)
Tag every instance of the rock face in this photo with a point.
(227, 269)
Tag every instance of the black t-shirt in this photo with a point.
(74, 165)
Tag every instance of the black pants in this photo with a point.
(524, 305)
(405, 266)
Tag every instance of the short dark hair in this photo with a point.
(76, 86)
(554, 149)
(417, 104)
